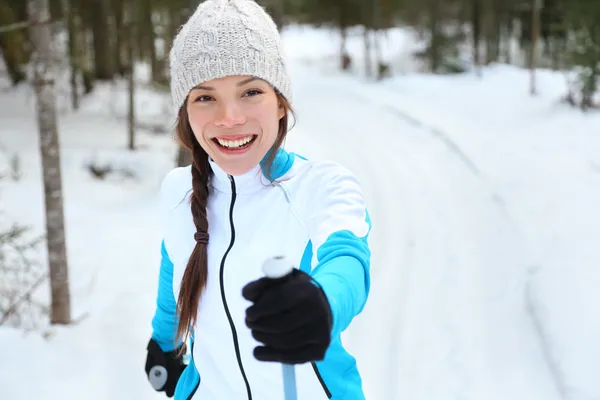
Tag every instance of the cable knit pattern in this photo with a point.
(223, 38)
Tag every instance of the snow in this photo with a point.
(485, 228)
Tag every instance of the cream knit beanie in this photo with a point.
(223, 38)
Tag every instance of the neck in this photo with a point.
(255, 179)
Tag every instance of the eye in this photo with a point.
(252, 92)
(202, 99)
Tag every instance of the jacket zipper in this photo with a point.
(231, 324)
(327, 392)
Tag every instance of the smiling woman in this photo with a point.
(251, 201)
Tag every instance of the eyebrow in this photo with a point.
(240, 83)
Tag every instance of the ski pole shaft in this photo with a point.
(289, 382)
(276, 268)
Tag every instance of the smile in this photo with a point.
(238, 143)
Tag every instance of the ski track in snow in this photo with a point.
(435, 223)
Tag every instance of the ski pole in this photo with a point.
(276, 268)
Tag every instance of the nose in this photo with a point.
(229, 115)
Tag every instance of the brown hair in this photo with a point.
(196, 271)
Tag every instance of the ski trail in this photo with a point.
(531, 306)
(447, 316)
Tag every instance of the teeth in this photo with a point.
(232, 144)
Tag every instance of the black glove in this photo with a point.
(290, 316)
(164, 368)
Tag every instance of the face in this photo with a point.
(235, 119)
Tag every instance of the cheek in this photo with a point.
(269, 120)
(198, 122)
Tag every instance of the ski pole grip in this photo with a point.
(277, 267)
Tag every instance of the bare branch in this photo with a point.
(14, 27)
(20, 276)
(24, 296)
(22, 25)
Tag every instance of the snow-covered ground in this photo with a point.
(484, 205)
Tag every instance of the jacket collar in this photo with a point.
(253, 180)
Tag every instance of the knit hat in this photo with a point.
(223, 38)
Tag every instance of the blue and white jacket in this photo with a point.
(312, 212)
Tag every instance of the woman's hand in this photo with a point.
(163, 368)
(291, 316)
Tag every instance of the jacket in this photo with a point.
(311, 212)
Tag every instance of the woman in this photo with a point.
(243, 201)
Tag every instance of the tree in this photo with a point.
(12, 43)
(535, 34)
(582, 18)
(130, 23)
(41, 39)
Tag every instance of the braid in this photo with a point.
(200, 177)
(196, 271)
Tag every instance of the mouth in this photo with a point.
(235, 143)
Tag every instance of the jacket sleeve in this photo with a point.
(164, 322)
(339, 226)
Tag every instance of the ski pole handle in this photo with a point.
(276, 268)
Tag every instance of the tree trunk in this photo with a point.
(145, 29)
(435, 55)
(345, 59)
(103, 65)
(117, 6)
(131, 82)
(535, 34)
(476, 23)
(131, 74)
(344, 56)
(492, 33)
(44, 76)
(368, 61)
(173, 23)
(12, 45)
(378, 24)
(69, 10)
(507, 36)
